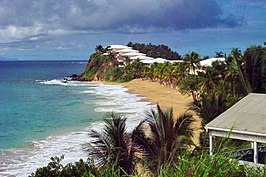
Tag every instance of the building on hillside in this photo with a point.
(246, 120)
(129, 50)
(126, 55)
(133, 54)
(116, 51)
(206, 63)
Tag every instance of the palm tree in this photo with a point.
(209, 79)
(134, 69)
(219, 54)
(167, 74)
(183, 71)
(166, 139)
(99, 49)
(235, 59)
(193, 58)
(220, 67)
(190, 86)
(112, 146)
(214, 103)
(158, 72)
(255, 67)
(145, 72)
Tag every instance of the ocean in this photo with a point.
(42, 117)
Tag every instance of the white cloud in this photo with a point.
(15, 33)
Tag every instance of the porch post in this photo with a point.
(211, 145)
(255, 147)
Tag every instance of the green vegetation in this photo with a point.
(165, 151)
(168, 150)
(97, 66)
(193, 59)
(214, 90)
(187, 165)
(155, 51)
(105, 68)
(113, 146)
(224, 83)
(121, 151)
(210, 166)
(166, 139)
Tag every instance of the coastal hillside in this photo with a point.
(97, 67)
(124, 63)
(243, 71)
(215, 84)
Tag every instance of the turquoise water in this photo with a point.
(43, 117)
(30, 110)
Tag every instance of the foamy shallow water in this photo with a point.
(22, 162)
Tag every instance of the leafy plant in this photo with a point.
(112, 147)
(166, 139)
(55, 168)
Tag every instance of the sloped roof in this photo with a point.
(131, 54)
(147, 61)
(141, 58)
(248, 116)
(127, 50)
(160, 60)
(176, 61)
(208, 62)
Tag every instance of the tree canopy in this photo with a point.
(156, 51)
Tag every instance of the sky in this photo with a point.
(70, 29)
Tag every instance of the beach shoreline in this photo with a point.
(166, 97)
(156, 93)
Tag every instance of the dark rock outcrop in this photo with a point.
(75, 77)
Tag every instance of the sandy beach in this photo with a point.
(154, 92)
(166, 97)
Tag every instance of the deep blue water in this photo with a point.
(30, 110)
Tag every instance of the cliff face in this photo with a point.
(97, 68)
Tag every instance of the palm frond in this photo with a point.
(183, 125)
(115, 128)
(112, 146)
(142, 143)
(99, 147)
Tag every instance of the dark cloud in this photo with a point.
(20, 18)
(112, 15)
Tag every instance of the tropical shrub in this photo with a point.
(166, 138)
(55, 168)
(112, 146)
